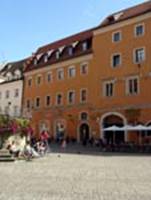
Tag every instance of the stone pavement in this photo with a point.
(77, 177)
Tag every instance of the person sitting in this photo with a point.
(41, 148)
(13, 149)
(28, 151)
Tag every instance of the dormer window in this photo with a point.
(49, 53)
(70, 51)
(117, 16)
(84, 46)
(35, 61)
(46, 58)
(17, 74)
(9, 66)
(57, 55)
(9, 76)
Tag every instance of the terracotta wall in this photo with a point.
(99, 70)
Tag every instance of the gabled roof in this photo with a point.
(127, 14)
(13, 66)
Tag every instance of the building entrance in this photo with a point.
(84, 132)
(113, 137)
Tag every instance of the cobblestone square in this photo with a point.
(77, 177)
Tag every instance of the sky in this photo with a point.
(25, 25)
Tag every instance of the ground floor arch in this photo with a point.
(111, 119)
(84, 132)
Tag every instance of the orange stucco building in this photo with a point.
(93, 80)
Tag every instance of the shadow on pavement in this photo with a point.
(90, 150)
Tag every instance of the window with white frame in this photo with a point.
(59, 99)
(16, 111)
(49, 77)
(16, 93)
(60, 74)
(29, 82)
(116, 37)
(37, 102)
(116, 60)
(108, 88)
(71, 72)
(139, 30)
(132, 86)
(139, 55)
(84, 68)
(48, 100)
(83, 95)
(71, 97)
(7, 94)
(39, 79)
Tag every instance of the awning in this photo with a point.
(112, 128)
(128, 128)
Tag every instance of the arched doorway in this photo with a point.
(113, 137)
(84, 132)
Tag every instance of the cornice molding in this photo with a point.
(59, 65)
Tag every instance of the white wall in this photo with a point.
(12, 101)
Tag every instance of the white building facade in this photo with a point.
(11, 98)
(11, 89)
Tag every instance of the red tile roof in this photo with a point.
(128, 13)
(66, 41)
